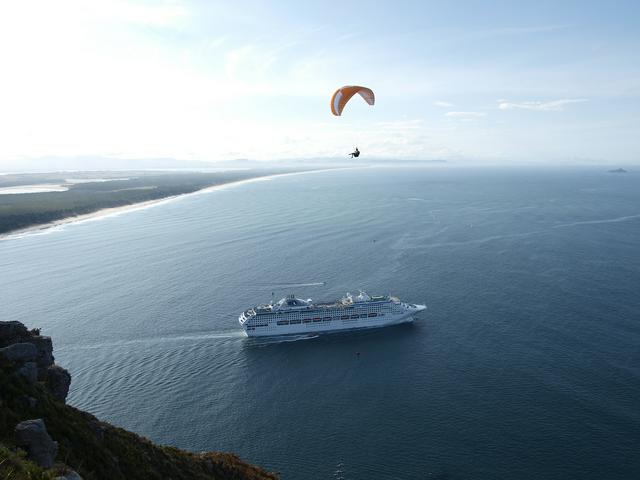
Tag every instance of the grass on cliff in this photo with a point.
(98, 450)
(15, 466)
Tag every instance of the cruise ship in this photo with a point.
(293, 315)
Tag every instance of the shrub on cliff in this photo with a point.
(95, 449)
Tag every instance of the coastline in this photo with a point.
(45, 228)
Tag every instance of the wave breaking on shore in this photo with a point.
(104, 213)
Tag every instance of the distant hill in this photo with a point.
(101, 163)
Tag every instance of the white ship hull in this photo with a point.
(267, 321)
(337, 326)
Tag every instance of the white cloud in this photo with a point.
(178, 78)
(465, 115)
(158, 15)
(70, 12)
(216, 42)
(401, 124)
(551, 106)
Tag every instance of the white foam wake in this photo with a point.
(595, 222)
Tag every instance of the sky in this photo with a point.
(463, 81)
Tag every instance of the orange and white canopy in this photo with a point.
(344, 94)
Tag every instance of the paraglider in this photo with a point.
(342, 95)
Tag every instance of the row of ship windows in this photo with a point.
(301, 314)
(317, 320)
(326, 319)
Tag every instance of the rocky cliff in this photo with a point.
(43, 438)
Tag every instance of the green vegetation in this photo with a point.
(15, 466)
(19, 211)
(95, 449)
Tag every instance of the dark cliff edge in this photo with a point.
(43, 438)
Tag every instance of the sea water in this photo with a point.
(525, 365)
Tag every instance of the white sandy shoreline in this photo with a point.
(111, 212)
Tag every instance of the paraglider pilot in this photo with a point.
(355, 153)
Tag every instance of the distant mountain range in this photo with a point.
(49, 164)
(100, 163)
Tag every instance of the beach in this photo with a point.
(52, 226)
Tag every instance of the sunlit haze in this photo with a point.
(501, 82)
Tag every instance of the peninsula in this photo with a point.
(30, 200)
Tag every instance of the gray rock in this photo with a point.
(15, 332)
(29, 371)
(45, 350)
(41, 449)
(58, 381)
(20, 352)
(12, 332)
(70, 475)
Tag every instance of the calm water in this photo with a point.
(526, 365)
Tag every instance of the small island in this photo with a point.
(618, 170)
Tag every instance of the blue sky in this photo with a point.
(472, 81)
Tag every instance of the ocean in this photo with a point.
(525, 365)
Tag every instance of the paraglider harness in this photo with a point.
(355, 154)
